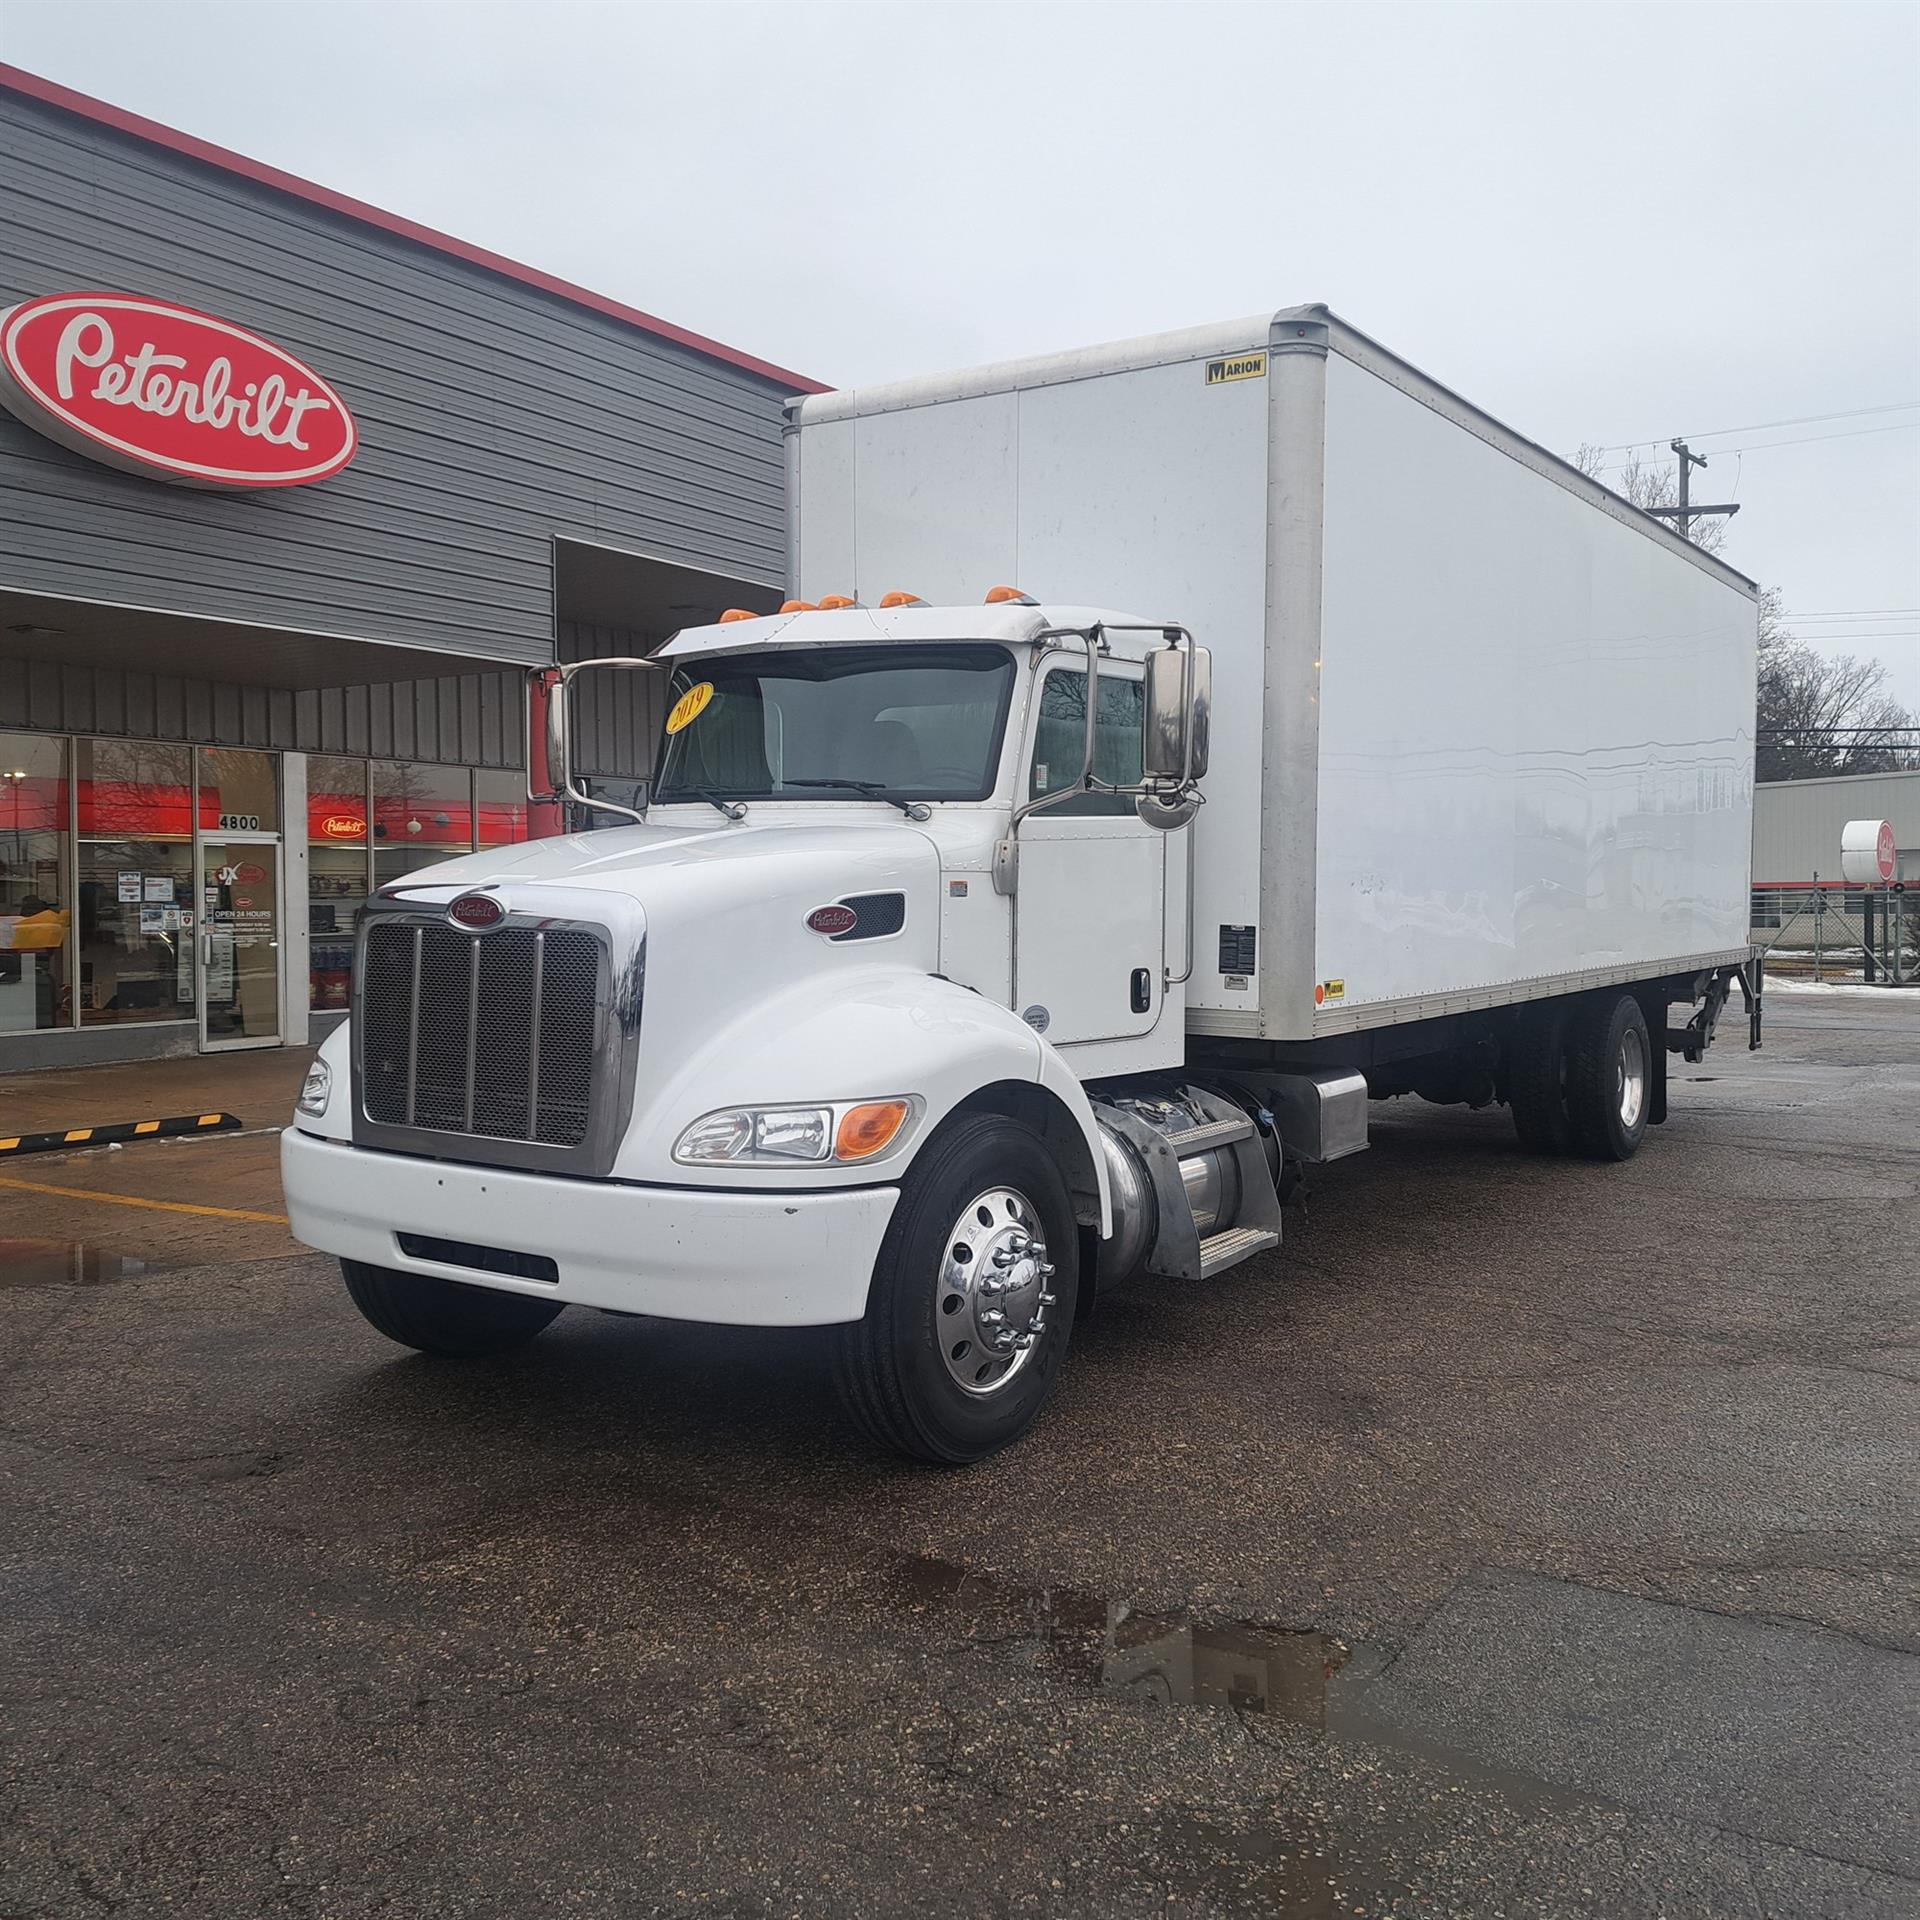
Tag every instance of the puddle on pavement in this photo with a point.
(1286, 1677)
(68, 1263)
(1174, 1659)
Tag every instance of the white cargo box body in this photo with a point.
(1482, 732)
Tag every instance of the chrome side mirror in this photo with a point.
(1179, 712)
(1179, 705)
(559, 767)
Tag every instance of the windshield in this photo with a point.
(837, 723)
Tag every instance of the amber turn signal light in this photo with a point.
(865, 1130)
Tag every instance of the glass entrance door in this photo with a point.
(239, 941)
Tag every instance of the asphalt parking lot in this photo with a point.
(1523, 1538)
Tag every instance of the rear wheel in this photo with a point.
(972, 1298)
(1536, 1072)
(1609, 1077)
(442, 1316)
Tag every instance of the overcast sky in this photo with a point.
(1600, 221)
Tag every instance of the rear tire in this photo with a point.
(1536, 1066)
(442, 1316)
(922, 1373)
(1609, 1077)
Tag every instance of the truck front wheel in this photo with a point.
(972, 1298)
(442, 1316)
(1609, 1077)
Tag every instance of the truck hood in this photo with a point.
(747, 888)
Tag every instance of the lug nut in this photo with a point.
(1047, 1299)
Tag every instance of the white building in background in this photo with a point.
(1796, 841)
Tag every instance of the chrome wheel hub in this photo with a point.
(1630, 1079)
(995, 1291)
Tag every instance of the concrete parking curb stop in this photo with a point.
(169, 1128)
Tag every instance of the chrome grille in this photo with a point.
(486, 1034)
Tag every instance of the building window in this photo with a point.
(239, 791)
(133, 881)
(500, 809)
(35, 886)
(339, 875)
(421, 815)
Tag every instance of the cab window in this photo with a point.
(1060, 740)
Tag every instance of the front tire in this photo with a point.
(442, 1316)
(972, 1298)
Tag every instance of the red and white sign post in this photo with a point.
(163, 390)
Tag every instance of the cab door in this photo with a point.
(1089, 911)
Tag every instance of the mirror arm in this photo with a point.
(1006, 856)
(564, 788)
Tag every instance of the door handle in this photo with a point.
(1141, 993)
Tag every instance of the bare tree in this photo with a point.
(1824, 713)
(1649, 484)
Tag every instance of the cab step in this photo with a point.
(1210, 1133)
(1222, 1250)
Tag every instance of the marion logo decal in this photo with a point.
(177, 395)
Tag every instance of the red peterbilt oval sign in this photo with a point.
(163, 390)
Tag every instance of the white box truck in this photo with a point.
(1169, 748)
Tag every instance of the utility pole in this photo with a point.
(1684, 515)
(1688, 459)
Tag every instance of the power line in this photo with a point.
(1807, 440)
(1766, 426)
(1859, 613)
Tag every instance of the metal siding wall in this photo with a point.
(1796, 823)
(492, 418)
(619, 715)
(471, 721)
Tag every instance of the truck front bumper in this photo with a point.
(680, 1253)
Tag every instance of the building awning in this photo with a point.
(86, 633)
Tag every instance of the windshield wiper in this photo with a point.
(873, 789)
(731, 808)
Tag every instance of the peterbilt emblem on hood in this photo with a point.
(476, 911)
(833, 921)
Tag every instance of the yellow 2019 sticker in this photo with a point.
(690, 706)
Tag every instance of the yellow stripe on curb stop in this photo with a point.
(130, 1200)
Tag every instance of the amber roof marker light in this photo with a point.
(835, 602)
(737, 613)
(1009, 597)
(899, 599)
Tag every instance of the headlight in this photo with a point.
(318, 1090)
(775, 1136)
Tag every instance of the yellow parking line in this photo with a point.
(129, 1200)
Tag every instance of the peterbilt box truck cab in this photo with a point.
(972, 958)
